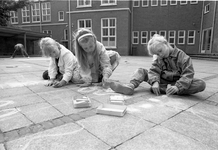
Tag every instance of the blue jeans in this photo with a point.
(141, 75)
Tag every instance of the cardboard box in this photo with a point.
(117, 100)
(82, 102)
(111, 109)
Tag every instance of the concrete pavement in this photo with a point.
(36, 117)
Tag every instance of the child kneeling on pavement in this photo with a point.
(171, 73)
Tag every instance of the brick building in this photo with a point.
(126, 26)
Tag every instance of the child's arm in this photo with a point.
(52, 69)
(187, 73)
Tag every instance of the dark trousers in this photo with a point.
(141, 75)
(45, 76)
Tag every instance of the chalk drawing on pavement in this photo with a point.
(8, 112)
(5, 103)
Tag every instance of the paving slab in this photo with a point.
(2, 147)
(14, 91)
(20, 100)
(214, 98)
(115, 130)
(193, 125)
(11, 119)
(152, 111)
(160, 138)
(40, 112)
(175, 101)
(65, 137)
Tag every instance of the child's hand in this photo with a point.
(171, 90)
(50, 83)
(155, 88)
(57, 84)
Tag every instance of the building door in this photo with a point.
(206, 41)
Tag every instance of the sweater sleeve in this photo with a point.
(70, 64)
(52, 69)
(154, 72)
(105, 62)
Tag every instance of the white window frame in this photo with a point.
(153, 4)
(152, 33)
(25, 12)
(181, 37)
(84, 3)
(85, 23)
(65, 34)
(171, 2)
(172, 37)
(108, 28)
(36, 12)
(193, 2)
(144, 37)
(165, 33)
(14, 17)
(163, 4)
(135, 37)
(108, 2)
(191, 37)
(145, 5)
(183, 2)
(205, 31)
(207, 8)
(134, 2)
(46, 12)
(60, 13)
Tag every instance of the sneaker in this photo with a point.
(122, 88)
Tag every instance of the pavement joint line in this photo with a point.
(39, 127)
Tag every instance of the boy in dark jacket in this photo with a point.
(171, 73)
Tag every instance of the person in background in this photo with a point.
(171, 72)
(63, 66)
(19, 47)
(96, 63)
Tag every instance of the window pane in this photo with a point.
(105, 32)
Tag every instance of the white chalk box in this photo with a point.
(111, 109)
(117, 100)
(82, 102)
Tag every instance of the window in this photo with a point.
(83, 3)
(145, 3)
(163, 2)
(108, 32)
(207, 39)
(173, 2)
(152, 33)
(191, 37)
(136, 3)
(108, 2)
(207, 8)
(163, 33)
(36, 12)
(193, 2)
(14, 17)
(25, 12)
(172, 37)
(183, 2)
(144, 37)
(46, 12)
(60, 16)
(85, 23)
(135, 37)
(48, 32)
(154, 3)
(65, 34)
(181, 37)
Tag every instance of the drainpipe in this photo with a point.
(202, 19)
(131, 51)
(70, 28)
(213, 27)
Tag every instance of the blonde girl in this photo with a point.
(96, 63)
(63, 64)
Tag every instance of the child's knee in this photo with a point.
(202, 85)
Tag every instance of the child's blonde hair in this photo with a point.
(83, 35)
(156, 40)
(46, 45)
